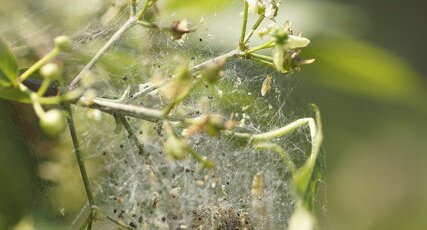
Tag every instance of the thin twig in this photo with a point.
(117, 36)
(81, 164)
(119, 223)
(131, 133)
(135, 17)
(127, 110)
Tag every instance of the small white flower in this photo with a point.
(267, 8)
(270, 8)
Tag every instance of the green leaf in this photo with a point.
(14, 94)
(361, 68)
(8, 65)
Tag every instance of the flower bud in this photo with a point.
(50, 71)
(52, 122)
(63, 43)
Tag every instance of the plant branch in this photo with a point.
(80, 163)
(117, 36)
(131, 133)
(127, 110)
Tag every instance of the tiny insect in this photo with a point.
(266, 85)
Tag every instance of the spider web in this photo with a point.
(167, 193)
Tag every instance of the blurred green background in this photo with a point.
(369, 79)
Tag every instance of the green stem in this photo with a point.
(264, 62)
(81, 164)
(148, 25)
(90, 222)
(279, 132)
(205, 163)
(55, 51)
(283, 155)
(143, 10)
(318, 136)
(43, 87)
(254, 27)
(244, 24)
(54, 100)
(266, 45)
(38, 109)
(305, 175)
(261, 57)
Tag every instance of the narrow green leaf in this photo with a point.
(8, 65)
